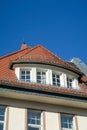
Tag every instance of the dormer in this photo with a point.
(40, 66)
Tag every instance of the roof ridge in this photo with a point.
(30, 50)
(13, 53)
(55, 56)
(44, 49)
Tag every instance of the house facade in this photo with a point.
(40, 91)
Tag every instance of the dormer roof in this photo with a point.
(43, 55)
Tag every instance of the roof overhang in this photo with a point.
(43, 96)
(11, 66)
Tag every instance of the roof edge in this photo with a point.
(43, 62)
(13, 53)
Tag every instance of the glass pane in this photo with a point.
(43, 76)
(38, 81)
(70, 126)
(28, 77)
(27, 72)
(38, 122)
(43, 73)
(1, 126)
(38, 73)
(22, 77)
(38, 115)
(53, 75)
(1, 118)
(38, 76)
(65, 125)
(22, 72)
(54, 79)
(33, 121)
(2, 111)
(33, 128)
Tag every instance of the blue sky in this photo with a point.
(58, 25)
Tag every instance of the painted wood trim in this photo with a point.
(76, 123)
(44, 120)
(26, 119)
(59, 120)
(7, 118)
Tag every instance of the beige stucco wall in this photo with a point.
(17, 114)
(82, 122)
(16, 119)
(51, 121)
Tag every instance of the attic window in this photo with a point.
(41, 77)
(56, 79)
(25, 75)
(69, 82)
(46, 77)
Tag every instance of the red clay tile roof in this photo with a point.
(41, 54)
(7, 76)
(84, 78)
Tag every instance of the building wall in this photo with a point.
(17, 115)
(16, 119)
(82, 122)
(51, 121)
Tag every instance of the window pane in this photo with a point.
(1, 118)
(22, 72)
(2, 113)
(32, 128)
(22, 77)
(1, 126)
(28, 72)
(38, 73)
(28, 77)
(38, 122)
(33, 121)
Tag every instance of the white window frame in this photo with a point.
(67, 122)
(36, 119)
(69, 82)
(43, 78)
(25, 69)
(56, 78)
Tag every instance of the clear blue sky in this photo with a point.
(58, 25)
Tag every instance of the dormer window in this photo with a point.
(25, 75)
(69, 83)
(41, 77)
(56, 79)
(46, 76)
